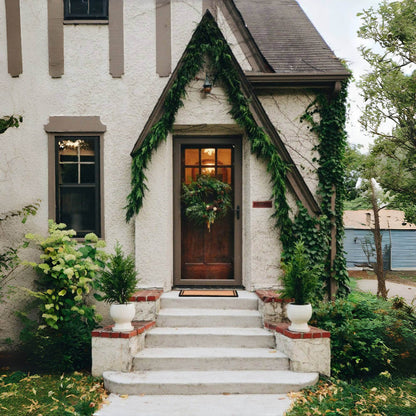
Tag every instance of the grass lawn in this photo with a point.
(381, 396)
(47, 395)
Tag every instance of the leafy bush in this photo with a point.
(118, 281)
(300, 279)
(60, 340)
(369, 335)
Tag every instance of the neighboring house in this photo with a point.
(398, 239)
(91, 79)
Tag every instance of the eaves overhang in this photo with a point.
(269, 81)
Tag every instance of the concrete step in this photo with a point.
(237, 318)
(210, 359)
(207, 382)
(196, 405)
(245, 300)
(210, 337)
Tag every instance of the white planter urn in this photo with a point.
(299, 316)
(122, 315)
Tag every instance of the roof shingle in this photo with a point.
(363, 219)
(287, 38)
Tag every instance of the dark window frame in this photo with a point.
(70, 126)
(68, 15)
(95, 186)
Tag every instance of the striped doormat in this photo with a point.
(223, 293)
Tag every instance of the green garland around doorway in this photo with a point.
(208, 42)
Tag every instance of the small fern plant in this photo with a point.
(300, 279)
(118, 281)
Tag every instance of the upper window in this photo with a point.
(78, 183)
(86, 9)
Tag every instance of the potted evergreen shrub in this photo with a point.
(118, 283)
(300, 281)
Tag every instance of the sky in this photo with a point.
(337, 22)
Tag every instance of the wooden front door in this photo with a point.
(208, 256)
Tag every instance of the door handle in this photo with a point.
(237, 212)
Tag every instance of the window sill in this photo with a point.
(82, 239)
(85, 22)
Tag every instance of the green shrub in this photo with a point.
(369, 335)
(60, 339)
(118, 281)
(301, 277)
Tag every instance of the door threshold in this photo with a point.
(177, 287)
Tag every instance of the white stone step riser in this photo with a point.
(207, 382)
(225, 351)
(197, 388)
(212, 341)
(217, 363)
(208, 321)
(209, 303)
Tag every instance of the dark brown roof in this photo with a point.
(287, 38)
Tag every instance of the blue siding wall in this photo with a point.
(353, 246)
(403, 247)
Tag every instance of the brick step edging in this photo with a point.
(107, 331)
(282, 328)
(147, 295)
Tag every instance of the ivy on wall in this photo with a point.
(208, 43)
(331, 133)
(9, 121)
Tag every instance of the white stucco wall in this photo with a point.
(186, 14)
(124, 105)
(200, 108)
(154, 226)
(261, 246)
(285, 109)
